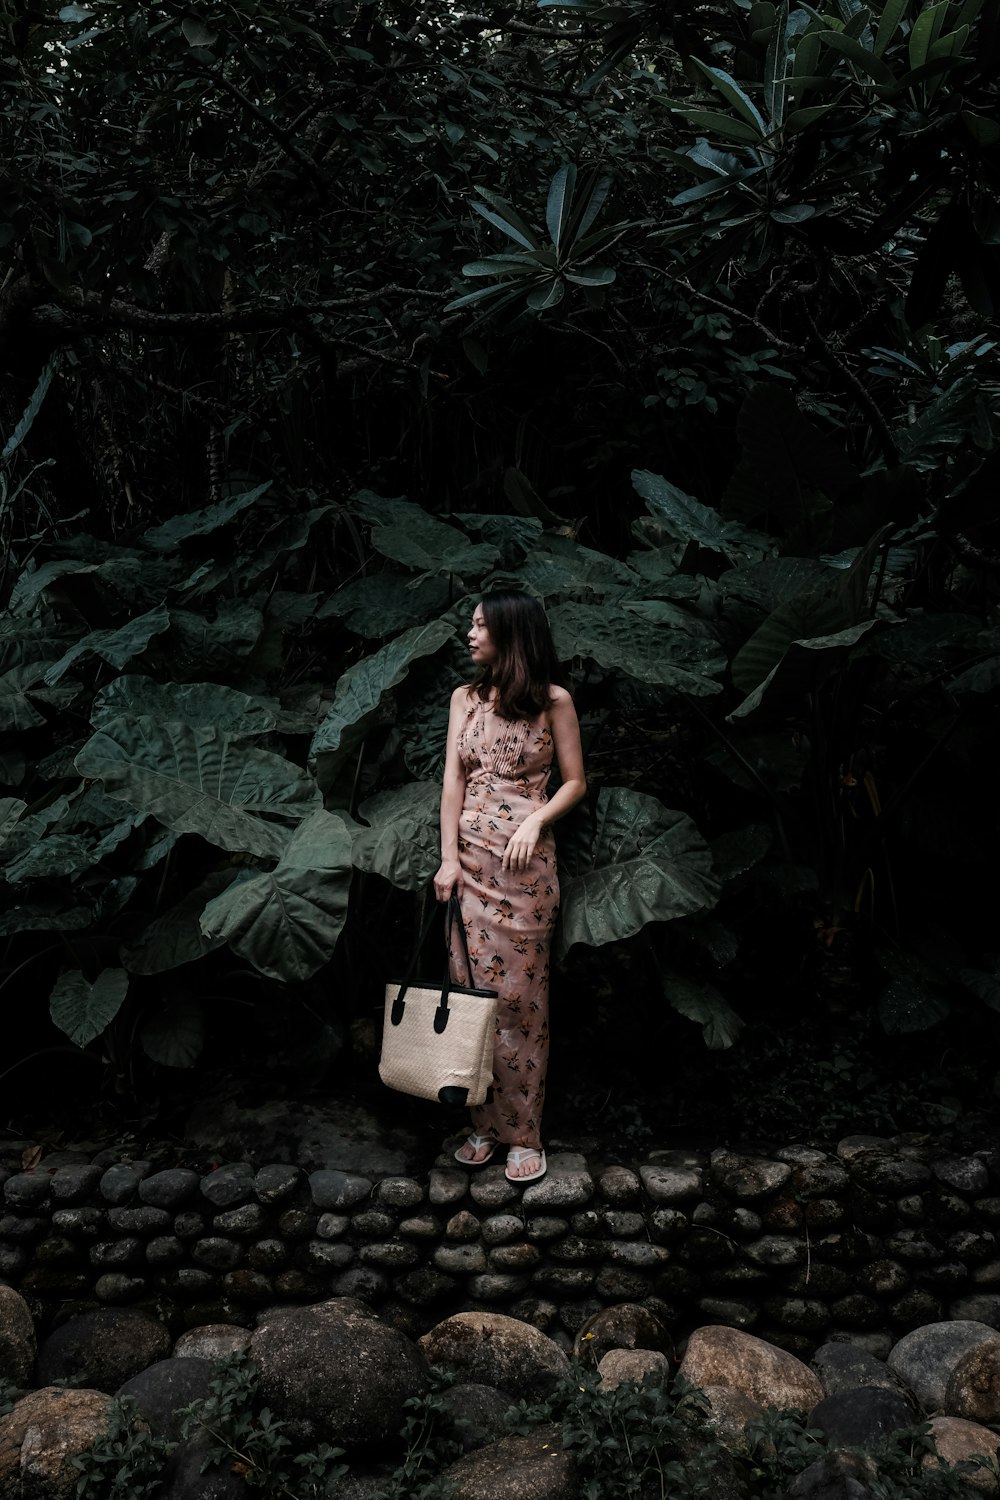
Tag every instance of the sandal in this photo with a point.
(516, 1155)
(477, 1142)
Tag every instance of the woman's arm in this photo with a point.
(565, 728)
(449, 875)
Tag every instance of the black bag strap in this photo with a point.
(453, 918)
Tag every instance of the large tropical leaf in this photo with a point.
(175, 937)
(361, 689)
(200, 780)
(11, 809)
(221, 643)
(191, 703)
(287, 922)
(804, 665)
(646, 863)
(203, 522)
(704, 1004)
(175, 1036)
(83, 1010)
(35, 581)
(433, 547)
(402, 842)
(385, 603)
(58, 857)
(620, 642)
(689, 521)
(117, 647)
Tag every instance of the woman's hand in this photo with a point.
(521, 844)
(448, 879)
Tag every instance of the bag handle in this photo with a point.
(453, 918)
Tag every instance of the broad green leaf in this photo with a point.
(773, 582)
(385, 603)
(38, 916)
(198, 644)
(703, 1004)
(515, 537)
(592, 276)
(572, 570)
(61, 856)
(735, 853)
(859, 55)
(16, 709)
(200, 780)
(646, 863)
(175, 937)
(984, 983)
(403, 841)
(23, 426)
(505, 217)
(924, 33)
(907, 1005)
(117, 647)
(35, 581)
(175, 1036)
(192, 703)
(559, 205)
(982, 677)
(893, 12)
(203, 522)
(733, 95)
(287, 922)
(804, 665)
(689, 521)
(502, 265)
(729, 126)
(650, 653)
(550, 294)
(197, 34)
(361, 689)
(83, 1010)
(11, 809)
(434, 547)
(810, 613)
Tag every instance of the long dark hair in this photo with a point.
(526, 664)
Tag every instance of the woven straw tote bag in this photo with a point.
(437, 1039)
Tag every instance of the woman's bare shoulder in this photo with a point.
(559, 696)
(463, 697)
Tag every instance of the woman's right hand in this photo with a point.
(448, 879)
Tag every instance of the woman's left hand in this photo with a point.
(521, 844)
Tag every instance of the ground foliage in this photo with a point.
(318, 319)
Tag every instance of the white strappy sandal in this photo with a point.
(518, 1154)
(477, 1142)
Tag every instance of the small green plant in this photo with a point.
(127, 1462)
(428, 1433)
(630, 1442)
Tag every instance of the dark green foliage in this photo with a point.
(267, 269)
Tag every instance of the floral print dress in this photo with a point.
(509, 915)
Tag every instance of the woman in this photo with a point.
(498, 854)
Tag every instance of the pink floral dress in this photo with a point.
(509, 915)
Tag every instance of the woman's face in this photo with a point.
(481, 647)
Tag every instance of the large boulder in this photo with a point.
(620, 1366)
(959, 1442)
(337, 1373)
(41, 1435)
(835, 1476)
(476, 1414)
(626, 1325)
(188, 1476)
(862, 1418)
(103, 1348)
(847, 1367)
(212, 1341)
(973, 1389)
(729, 1414)
(17, 1338)
(768, 1375)
(495, 1350)
(925, 1358)
(165, 1389)
(516, 1468)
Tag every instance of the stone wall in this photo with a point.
(799, 1245)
